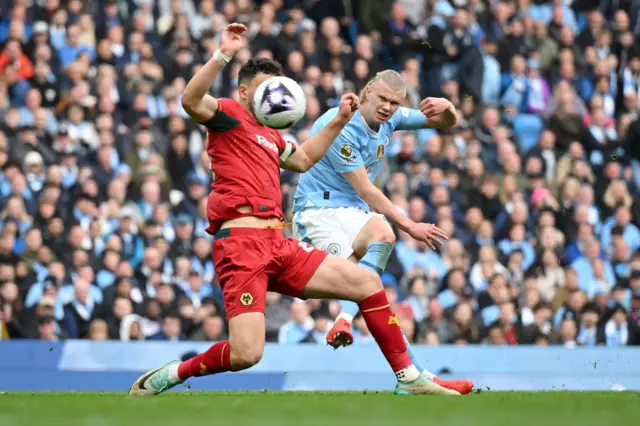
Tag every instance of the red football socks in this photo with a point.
(216, 359)
(385, 328)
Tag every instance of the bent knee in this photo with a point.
(243, 357)
(382, 233)
(387, 236)
(366, 284)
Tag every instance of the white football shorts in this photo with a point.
(331, 229)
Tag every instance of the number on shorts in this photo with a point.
(305, 246)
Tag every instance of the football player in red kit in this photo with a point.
(251, 256)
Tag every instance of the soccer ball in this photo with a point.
(279, 102)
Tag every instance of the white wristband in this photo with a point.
(221, 58)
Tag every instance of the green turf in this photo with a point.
(320, 408)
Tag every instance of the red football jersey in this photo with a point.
(245, 159)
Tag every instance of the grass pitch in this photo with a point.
(320, 408)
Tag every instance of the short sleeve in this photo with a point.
(225, 118)
(344, 155)
(409, 119)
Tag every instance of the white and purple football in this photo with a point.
(279, 102)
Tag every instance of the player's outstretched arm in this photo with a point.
(195, 100)
(434, 113)
(317, 146)
(376, 199)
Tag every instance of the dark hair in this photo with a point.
(258, 66)
(617, 231)
(171, 314)
(542, 305)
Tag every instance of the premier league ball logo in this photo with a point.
(278, 98)
(279, 102)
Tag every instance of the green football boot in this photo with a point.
(153, 382)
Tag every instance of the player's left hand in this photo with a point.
(349, 104)
(428, 233)
(432, 107)
(233, 39)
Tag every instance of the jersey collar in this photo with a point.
(366, 126)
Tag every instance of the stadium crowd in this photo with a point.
(103, 177)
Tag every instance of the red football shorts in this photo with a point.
(251, 261)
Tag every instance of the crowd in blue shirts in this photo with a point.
(103, 177)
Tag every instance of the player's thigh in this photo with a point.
(324, 230)
(241, 270)
(292, 265)
(375, 230)
(337, 278)
(247, 339)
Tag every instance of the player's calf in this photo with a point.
(373, 246)
(247, 337)
(243, 350)
(245, 356)
(338, 278)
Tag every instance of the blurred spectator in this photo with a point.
(12, 57)
(300, 324)
(171, 329)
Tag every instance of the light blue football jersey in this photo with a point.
(356, 146)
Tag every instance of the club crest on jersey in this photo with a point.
(246, 299)
(267, 144)
(334, 249)
(380, 152)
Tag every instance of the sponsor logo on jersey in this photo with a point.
(270, 145)
(304, 245)
(334, 249)
(380, 152)
(246, 299)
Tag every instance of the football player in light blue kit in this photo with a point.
(338, 209)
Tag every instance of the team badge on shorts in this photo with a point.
(246, 299)
(334, 249)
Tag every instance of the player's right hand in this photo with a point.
(349, 104)
(428, 233)
(233, 39)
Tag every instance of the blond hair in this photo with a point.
(610, 198)
(391, 78)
